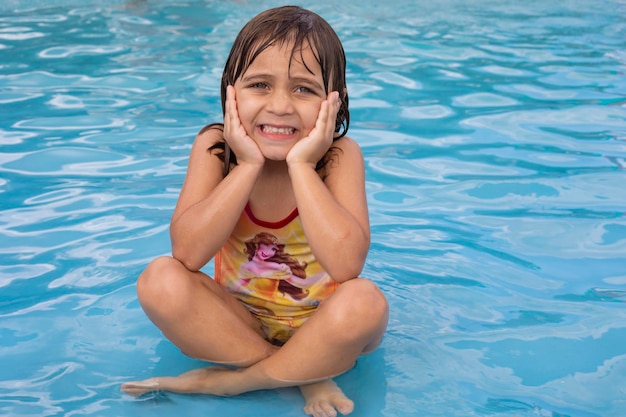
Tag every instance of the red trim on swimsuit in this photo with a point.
(271, 225)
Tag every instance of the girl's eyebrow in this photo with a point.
(254, 76)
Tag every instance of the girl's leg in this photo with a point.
(350, 322)
(178, 301)
(199, 316)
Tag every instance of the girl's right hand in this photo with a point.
(235, 135)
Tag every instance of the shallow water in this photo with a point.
(495, 141)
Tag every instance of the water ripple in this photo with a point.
(69, 51)
(17, 33)
(495, 148)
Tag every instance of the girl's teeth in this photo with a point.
(278, 130)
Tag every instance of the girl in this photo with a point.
(279, 164)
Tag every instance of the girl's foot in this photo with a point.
(324, 399)
(197, 381)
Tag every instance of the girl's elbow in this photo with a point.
(346, 271)
(183, 257)
(343, 278)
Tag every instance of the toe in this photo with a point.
(321, 409)
(345, 406)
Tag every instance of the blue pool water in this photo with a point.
(495, 141)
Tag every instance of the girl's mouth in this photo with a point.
(275, 130)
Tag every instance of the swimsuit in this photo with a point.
(270, 268)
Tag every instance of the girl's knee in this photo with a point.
(160, 281)
(362, 302)
(367, 297)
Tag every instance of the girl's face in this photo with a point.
(278, 103)
(265, 251)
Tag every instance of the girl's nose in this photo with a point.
(280, 102)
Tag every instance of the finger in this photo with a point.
(232, 116)
(322, 117)
(227, 110)
(328, 113)
(334, 105)
(230, 97)
(333, 97)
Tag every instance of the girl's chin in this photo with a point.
(277, 154)
(271, 158)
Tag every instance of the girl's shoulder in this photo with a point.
(345, 156)
(346, 150)
(211, 136)
(347, 144)
(206, 153)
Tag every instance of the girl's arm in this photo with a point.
(334, 212)
(209, 204)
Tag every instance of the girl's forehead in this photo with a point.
(295, 55)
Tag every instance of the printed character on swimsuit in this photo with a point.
(273, 269)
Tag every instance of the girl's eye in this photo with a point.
(303, 89)
(259, 85)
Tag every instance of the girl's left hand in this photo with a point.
(311, 149)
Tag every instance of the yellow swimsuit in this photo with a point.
(270, 268)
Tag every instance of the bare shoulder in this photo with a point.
(347, 144)
(204, 169)
(204, 161)
(346, 154)
(209, 136)
(346, 165)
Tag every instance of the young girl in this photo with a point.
(280, 164)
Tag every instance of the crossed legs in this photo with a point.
(207, 323)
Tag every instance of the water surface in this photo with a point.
(495, 142)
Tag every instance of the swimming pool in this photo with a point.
(495, 141)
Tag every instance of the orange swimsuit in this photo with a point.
(270, 268)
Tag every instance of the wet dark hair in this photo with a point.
(298, 27)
